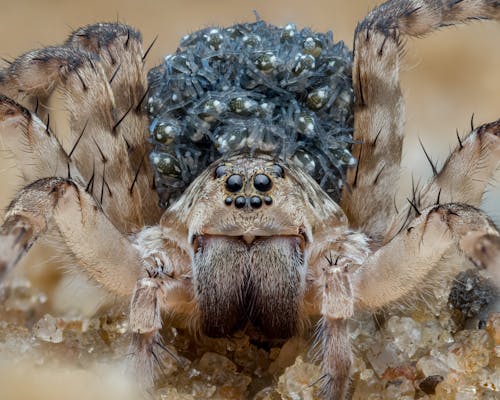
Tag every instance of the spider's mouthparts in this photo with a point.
(252, 88)
(248, 239)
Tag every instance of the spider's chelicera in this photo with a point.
(223, 187)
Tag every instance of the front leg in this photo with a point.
(379, 108)
(331, 263)
(168, 290)
(379, 117)
(58, 204)
(145, 324)
(399, 268)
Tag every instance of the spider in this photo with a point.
(254, 237)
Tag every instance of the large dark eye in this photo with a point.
(262, 182)
(278, 171)
(220, 171)
(234, 183)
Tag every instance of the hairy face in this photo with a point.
(254, 196)
(250, 222)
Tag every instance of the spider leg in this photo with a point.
(33, 144)
(378, 126)
(104, 254)
(379, 108)
(337, 307)
(167, 289)
(397, 268)
(145, 323)
(119, 48)
(330, 273)
(463, 178)
(104, 85)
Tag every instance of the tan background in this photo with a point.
(447, 76)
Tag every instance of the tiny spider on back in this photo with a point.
(247, 182)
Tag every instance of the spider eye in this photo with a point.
(278, 171)
(262, 183)
(234, 183)
(255, 202)
(220, 171)
(240, 202)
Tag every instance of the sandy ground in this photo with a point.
(446, 77)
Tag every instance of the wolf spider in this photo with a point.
(294, 255)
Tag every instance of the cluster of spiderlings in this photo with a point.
(252, 87)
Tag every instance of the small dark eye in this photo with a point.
(228, 200)
(240, 202)
(278, 171)
(220, 171)
(262, 182)
(234, 183)
(268, 200)
(255, 202)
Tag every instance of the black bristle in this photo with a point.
(78, 140)
(433, 166)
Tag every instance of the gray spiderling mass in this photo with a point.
(251, 88)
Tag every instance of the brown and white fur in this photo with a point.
(277, 265)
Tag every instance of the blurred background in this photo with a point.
(446, 77)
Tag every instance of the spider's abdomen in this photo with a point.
(251, 88)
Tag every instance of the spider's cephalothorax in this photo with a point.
(250, 243)
(254, 88)
(250, 136)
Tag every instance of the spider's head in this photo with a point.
(248, 222)
(252, 196)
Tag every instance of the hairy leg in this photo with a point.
(462, 179)
(104, 254)
(330, 275)
(378, 126)
(100, 72)
(337, 307)
(399, 267)
(37, 150)
(168, 289)
(379, 109)
(145, 324)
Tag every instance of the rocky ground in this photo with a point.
(426, 353)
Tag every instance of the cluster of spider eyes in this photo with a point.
(251, 88)
(261, 182)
